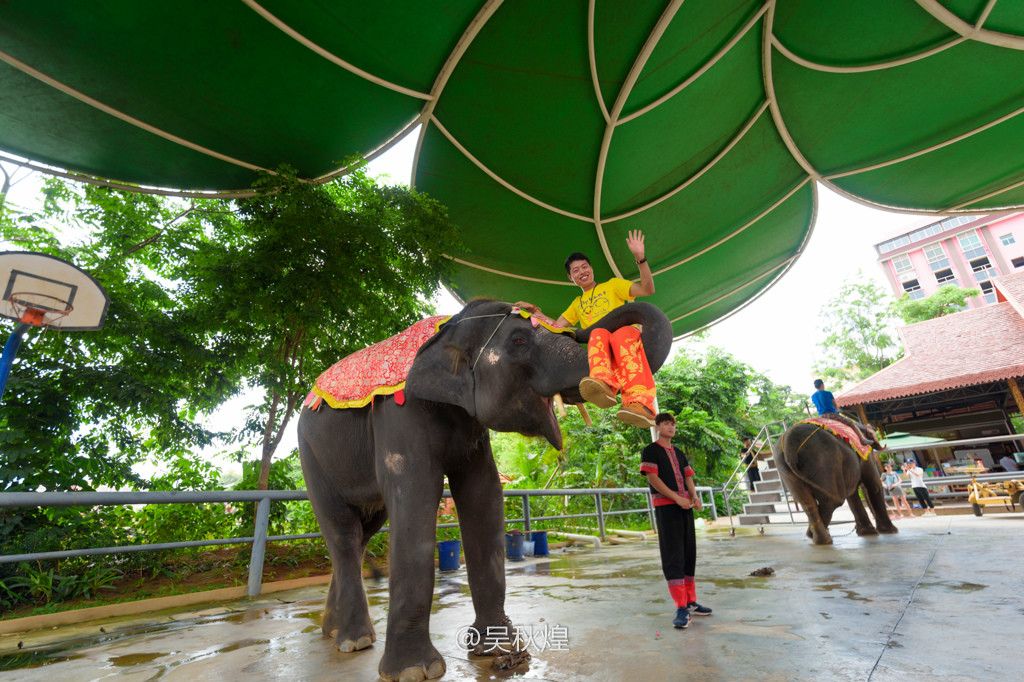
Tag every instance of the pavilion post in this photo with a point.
(1017, 397)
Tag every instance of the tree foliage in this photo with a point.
(859, 335)
(715, 400)
(946, 300)
(207, 299)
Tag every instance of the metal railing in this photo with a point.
(766, 438)
(263, 498)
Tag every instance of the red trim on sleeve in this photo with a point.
(648, 467)
(687, 471)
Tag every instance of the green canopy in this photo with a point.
(546, 126)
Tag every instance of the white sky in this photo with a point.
(778, 333)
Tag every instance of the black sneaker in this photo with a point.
(698, 610)
(682, 619)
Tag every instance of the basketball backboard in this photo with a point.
(46, 291)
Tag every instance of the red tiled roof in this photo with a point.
(964, 349)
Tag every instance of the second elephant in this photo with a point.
(822, 471)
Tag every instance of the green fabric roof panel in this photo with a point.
(547, 127)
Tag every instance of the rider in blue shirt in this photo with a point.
(826, 404)
(822, 399)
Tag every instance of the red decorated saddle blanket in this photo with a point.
(380, 369)
(842, 430)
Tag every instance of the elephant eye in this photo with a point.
(518, 340)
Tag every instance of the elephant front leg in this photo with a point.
(408, 653)
(476, 490)
(875, 495)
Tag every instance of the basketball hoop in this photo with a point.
(38, 309)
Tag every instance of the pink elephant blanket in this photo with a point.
(844, 431)
(380, 369)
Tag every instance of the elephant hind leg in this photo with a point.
(860, 515)
(817, 527)
(346, 617)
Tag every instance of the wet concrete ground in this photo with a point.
(940, 600)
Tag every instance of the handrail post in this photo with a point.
(526, 512)
(259, 547)
(600, 516)
(650, 512)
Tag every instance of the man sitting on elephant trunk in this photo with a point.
(617, 359)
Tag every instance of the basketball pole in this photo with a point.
(10, 350)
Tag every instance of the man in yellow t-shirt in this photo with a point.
(617, 359)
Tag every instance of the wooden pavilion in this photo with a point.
(960, 376)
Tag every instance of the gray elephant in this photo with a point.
(822, 471)
(486, 368)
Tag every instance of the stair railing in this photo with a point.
(738, 483)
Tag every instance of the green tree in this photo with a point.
(208, 299)
(305, 275)
(947, 300)
(859, 335)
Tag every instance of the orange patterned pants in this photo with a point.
(618, 359)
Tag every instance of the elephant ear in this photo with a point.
(442, 372)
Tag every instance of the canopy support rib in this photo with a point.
(620, 102)
(467, 38)
(120, 115)
(501, 181)
(703, 69)
(330, 56)
(736, 232)
(973, 32)
(708, 166)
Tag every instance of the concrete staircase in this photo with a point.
(767, 499)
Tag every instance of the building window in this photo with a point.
(944, 277)
(936, 257)
(955, 221)
(904, 268)
(971, 245)
(893, 244)
(988, 291)
(925, 232)
(1018, 262)
(913, 288)
(1007, 239)
(983, 270)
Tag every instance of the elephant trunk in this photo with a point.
(656, 333)
(563, 362)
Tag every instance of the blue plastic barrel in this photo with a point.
(514, 546)
(448, 555)
(540, 542)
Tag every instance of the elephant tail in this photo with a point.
(792, 445)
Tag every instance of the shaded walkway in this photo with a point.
(941, 600)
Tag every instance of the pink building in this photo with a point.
(967, 251)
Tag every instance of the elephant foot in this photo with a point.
(496, 640)
(350, 643)
(866, 530)
(888, 529)
(401, 669)
(819, 537)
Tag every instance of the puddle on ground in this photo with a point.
(960, 587)
(33, 659)
(836, 587)
(133, 659)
